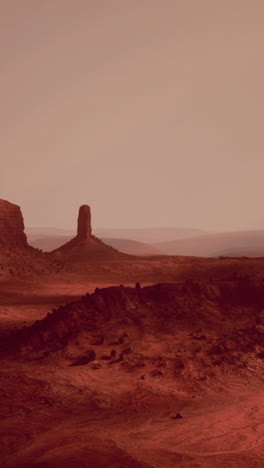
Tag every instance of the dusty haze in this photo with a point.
(150, 111)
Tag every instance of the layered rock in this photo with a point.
(11, 225)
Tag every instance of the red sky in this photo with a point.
(151, 111)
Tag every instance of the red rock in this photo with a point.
(85, 246)
(84, 230)
(11, 225)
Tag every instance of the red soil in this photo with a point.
(98, 383)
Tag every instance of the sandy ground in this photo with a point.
(57, 415)
(73, 416)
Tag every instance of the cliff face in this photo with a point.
(11, 225)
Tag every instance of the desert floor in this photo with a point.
(54, 414)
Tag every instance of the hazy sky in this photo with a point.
(151, 111)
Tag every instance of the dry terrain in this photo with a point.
(94, 374)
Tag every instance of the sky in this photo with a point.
(150, 111)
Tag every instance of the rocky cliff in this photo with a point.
(11, 225)
(17, 258)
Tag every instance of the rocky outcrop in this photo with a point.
(11, 225)
(84, 230)
(85, 246)
(17, 258)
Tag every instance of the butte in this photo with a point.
(85, 246)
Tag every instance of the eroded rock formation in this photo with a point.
(84, 230)
(85, 246)
(11, 225)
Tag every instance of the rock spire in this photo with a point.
(84, 230)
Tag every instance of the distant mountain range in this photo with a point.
(232, 244)
(160, 241)
(148, 235)
(130, 241)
